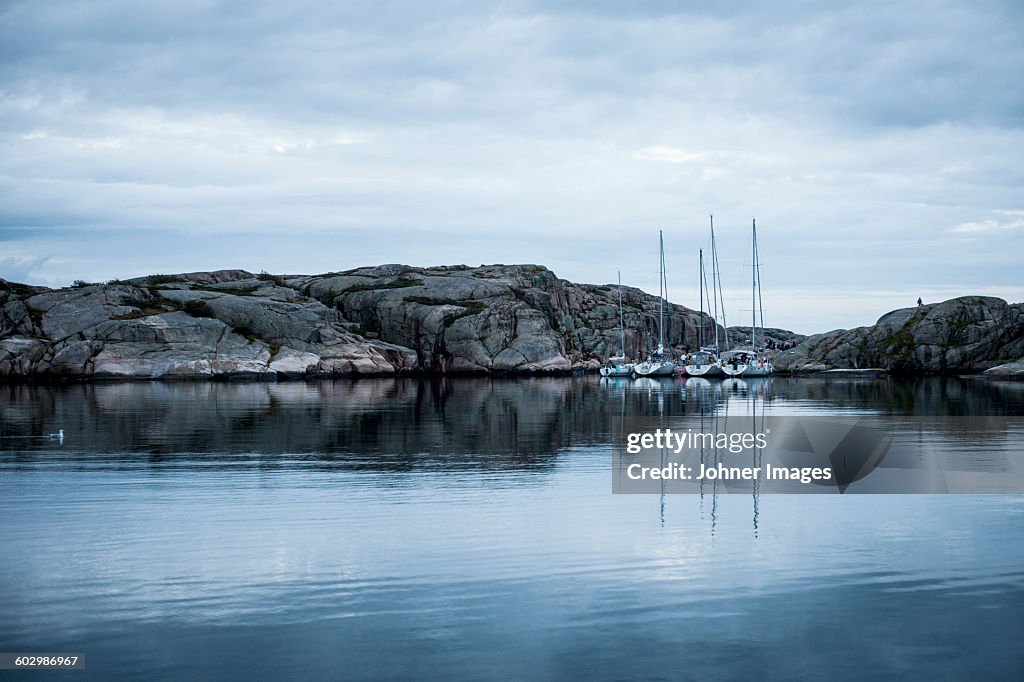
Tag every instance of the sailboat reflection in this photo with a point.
(714, 401)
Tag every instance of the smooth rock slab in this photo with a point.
(1009, 370)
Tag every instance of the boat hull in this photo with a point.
(706, 371)
(655, 369)
(759, 370)
(617, 371)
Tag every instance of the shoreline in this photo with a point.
(271, 378)
(233, 325)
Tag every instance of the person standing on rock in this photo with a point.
(919, 301)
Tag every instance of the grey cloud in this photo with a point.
(464, 132)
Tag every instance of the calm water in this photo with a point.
(465, 528)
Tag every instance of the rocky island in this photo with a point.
(962, 335)
(367, 321)
(391, 319)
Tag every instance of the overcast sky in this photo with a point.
(880, 146)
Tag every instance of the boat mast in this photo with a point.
(707, 297)
(664, 281)
(661, 290)
(753, 290)
(757, 269)
(701, 285)
(716, 275)
(714, 291)
(622, 326)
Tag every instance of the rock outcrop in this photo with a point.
(367, 321)
(499, 318)
(1009, 370)
(394, 318)
(780, 338)
(188, 327)
(967, 334)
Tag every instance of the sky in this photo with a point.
(878, 144)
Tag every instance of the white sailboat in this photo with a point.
(759, 364)
(618, 366)
(705, 362)
(734, 363)
(752, 362)
(658, 365)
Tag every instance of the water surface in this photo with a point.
(466, 528)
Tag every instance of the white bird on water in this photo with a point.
(59, 436)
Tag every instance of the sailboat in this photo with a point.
(617, 365)
(694, 358)
(705, 362)
(657, 364)
(750, 362)
(760, 364)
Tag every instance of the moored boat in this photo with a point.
(761, 367)
(658, 364)
(704, 363)
(735, 363)
(755, 361)
(617, 367)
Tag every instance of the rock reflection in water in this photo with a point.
(402, 424)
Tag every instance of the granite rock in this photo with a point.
(966, 334)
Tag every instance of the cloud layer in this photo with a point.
(878, 145)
